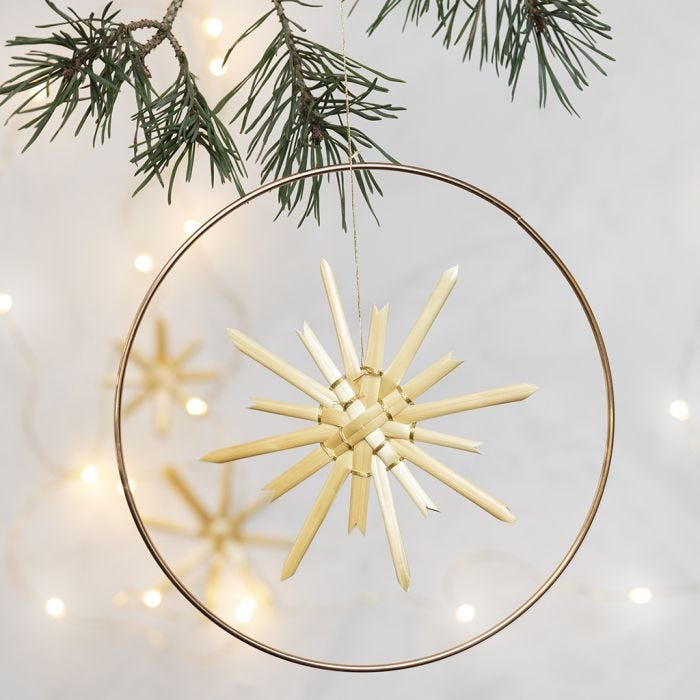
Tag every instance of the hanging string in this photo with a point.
(351, 156)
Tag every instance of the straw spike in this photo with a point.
(317, 414)
(302, 470)
(359, 487)
(342, 330)
(391, 523)
(416, 335)
(281, 368)
(329, 490)
(369, 392)
(404, 431)
(467, 402)
(414, 490)
(431, 375)
(284, 441)
(455, 481)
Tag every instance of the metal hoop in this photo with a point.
(610, 411)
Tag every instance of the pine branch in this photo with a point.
(564, 33)
(292, 104)
(88, 62)
(294, 111)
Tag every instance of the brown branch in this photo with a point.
(164, 31)
(537, 15)
(316, 123)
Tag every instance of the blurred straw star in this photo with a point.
(222, 538)
(164, 378)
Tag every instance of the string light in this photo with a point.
(120, 599)
(679, 409)
(143, 262)
(5, 303)
(465, 612)
(213, 27)
(152, 598)
(55, 607)
(217, 67)
(190, 226)
(246, 609)
(640, 595)
(89, 473)
(196, 406)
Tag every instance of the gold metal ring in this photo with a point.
(412, 432)
(609, 411)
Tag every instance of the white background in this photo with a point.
(615, 193)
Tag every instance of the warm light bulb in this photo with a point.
(5, 303)
(640, 595)
(55, 607)
(217, 67)
(143, 262)
(246, 609)
(465, 612)
(89, 473)
(196, 406)
(213, 27)
(679, 409)
(152, 598)
(190, 226)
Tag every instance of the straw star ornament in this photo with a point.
(164, 377)
(223, 536)
(366, 423)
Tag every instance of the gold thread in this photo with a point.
(348, 403)
(354, 472)
(337, 383)
(404, 395)
(371, 371)
(379, 448)
(319, 417)
(387, 412)
(341, 432)
(395, 463)
(353, 213)
(412, 432)
(328, 451)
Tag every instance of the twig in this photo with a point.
(316, 124)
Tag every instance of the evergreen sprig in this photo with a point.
(564, 33)
(84, 65)
(295, 113)
(292, 104)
